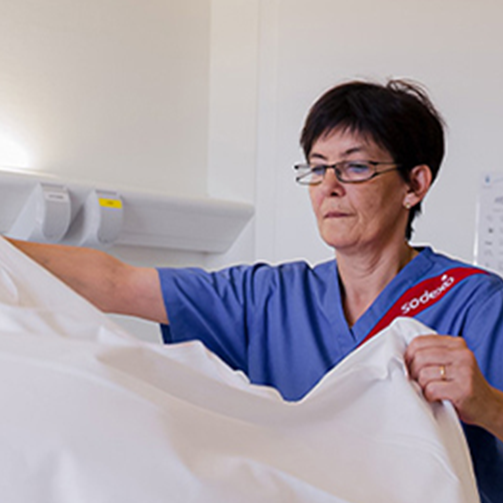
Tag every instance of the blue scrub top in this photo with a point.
(284, 326)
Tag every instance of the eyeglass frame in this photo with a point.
(338, 173)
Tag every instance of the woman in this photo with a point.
(372, 154)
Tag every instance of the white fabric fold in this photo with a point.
(90, 414)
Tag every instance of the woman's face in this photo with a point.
(356, 217)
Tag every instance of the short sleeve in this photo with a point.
(212, 307)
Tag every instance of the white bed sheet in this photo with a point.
(90, 414)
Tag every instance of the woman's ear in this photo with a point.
(420, 179)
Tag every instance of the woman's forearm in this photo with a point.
(87, 271)
(110, 284)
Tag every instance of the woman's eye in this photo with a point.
(318, 170)
(357, 167)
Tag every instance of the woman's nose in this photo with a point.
(330, 181)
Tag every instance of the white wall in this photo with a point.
(453, 47)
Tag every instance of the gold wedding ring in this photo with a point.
(442, 372)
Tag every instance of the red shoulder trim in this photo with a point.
(423, 295)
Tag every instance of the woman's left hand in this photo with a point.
(446, 369)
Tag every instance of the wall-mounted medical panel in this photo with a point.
(45, 216)
(85, 215)
(489, 231)
(98, 223)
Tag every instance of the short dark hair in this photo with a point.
(398, 116)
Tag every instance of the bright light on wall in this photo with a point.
(13, 154)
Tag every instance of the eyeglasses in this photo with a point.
(345, 171)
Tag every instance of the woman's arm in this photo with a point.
(110, 284)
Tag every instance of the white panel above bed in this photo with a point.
(123, 215)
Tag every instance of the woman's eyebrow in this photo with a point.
(353, 150)
(317, 156)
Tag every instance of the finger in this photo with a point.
(434, 373)
(435, 341)
(438, 390)
(444, 383)
(430, 357)
(461, 359)
(454, 388)
(441, 349)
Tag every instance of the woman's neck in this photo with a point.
(364, 276)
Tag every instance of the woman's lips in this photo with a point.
(336, 214)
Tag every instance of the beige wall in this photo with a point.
(108, 90)
(207, 97)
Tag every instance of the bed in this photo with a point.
(92, 414)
